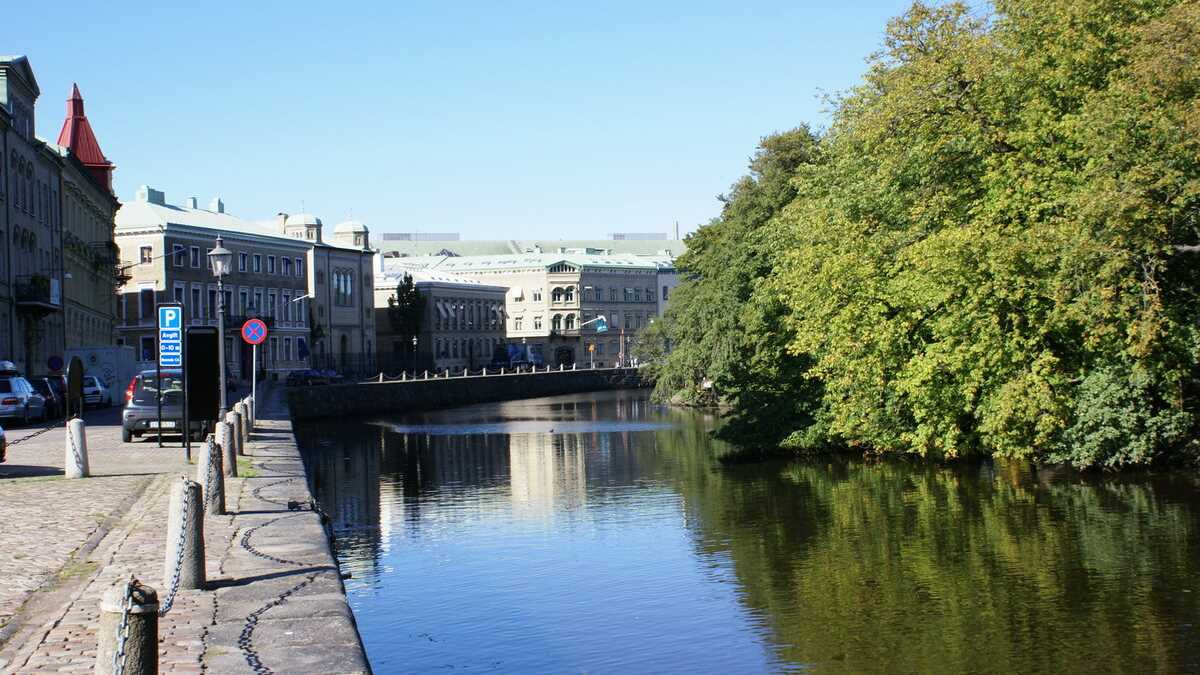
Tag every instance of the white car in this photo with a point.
(95, 393)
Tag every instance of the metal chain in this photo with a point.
(118, 666)
(178, 573)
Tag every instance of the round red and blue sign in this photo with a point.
(254, 331)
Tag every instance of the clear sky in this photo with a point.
(495, 120)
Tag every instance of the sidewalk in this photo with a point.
(275, 600)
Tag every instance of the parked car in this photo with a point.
(95, 393)
(140, 415)
(55, 400)
(19, 400)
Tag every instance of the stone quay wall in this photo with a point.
(374, 398)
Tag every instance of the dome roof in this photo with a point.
(302, 219)
(349, 226)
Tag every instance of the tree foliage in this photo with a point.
(405, 308)
(992, 250)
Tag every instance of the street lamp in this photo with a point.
(221, 260)
(414, 356)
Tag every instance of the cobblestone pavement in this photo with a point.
(275, 601)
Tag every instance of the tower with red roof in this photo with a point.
(77, 136)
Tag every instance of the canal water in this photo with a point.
(596, 534)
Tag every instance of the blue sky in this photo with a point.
(549, 120)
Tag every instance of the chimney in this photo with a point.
(147, 194)
(216, 205)
(190, 202)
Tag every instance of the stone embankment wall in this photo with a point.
(374, 398)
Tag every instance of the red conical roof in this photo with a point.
(77, 136)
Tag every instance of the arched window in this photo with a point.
(570, 321)
(556, 295)
(556, 322)
(570, 294)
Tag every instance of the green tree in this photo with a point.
(405, 308)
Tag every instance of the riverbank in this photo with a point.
(274, 601)
(433, 393)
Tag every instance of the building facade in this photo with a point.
(56, 210)
(164, 252)
(90, 254)
(554, 300)
(340, 288)
(461, 326)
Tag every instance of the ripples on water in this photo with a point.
(595, 534)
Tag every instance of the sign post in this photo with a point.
(170, 354)
(254, 332)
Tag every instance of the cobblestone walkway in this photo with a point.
(275, 602)
(47, 520)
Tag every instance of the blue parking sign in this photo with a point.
(170, 336)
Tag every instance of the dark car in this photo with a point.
(141, 415)
(55, 398)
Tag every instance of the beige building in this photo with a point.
(164, 250)
(461, 327)
(340, 291)
(554, 299)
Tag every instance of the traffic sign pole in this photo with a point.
(170, 351)
(254, 333)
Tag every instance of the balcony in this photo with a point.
(38, 294)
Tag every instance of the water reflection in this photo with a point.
(607, 540)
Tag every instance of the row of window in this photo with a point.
(566, 294)
(201, 303)
(343, 287)
(271, 355)
(559, 322)
(189, 256)
(466, 314)
(479, 349)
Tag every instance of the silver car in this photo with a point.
(95, 393)
(19, 400)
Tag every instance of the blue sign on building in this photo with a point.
(170, 336)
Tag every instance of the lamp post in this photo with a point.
(414, 356)
(221, 260)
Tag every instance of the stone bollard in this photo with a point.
(239, 430)
(427, 374)
(244, 420)
(403, 376)
(76, 461)
(210, 474)
(502, 371)
(141, 645)
(228, 446)
(185, 536)
(235, 441)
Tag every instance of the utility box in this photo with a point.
(114, 366)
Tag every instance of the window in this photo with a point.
(270, 264)
(664, 295)
(649, 295)
(178, 255)
(257, 263)
(569, 294)
(537, 322)
(287, 303)
(243, 300)
(612, 295)
(196, 306)
(570, 322)
(147, 348)
(194, 256)
(274, 350)
(343, 288)
(241, 262)
(287, 346)
(258, 305)
(146, 301)
(556, 295)
(556, 322)
(212, 303)
(517, 323)
(271, 304)
(637, 295)
(145, 254)
(286, 264)
(299, 268)
(178, 293)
